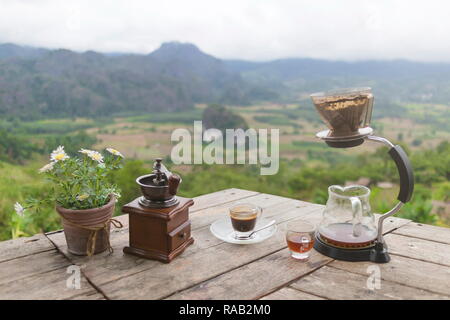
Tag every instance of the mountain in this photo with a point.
(396, 80)
(8, 50)
(37, 82)
(208, 79)
(66, 83)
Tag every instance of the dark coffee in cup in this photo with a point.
(243, 223)
(243, 219)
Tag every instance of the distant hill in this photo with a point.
(54, 83)
(37, 82)
(396, 80)
(8, 50)
(207, 78)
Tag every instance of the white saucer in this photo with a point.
(223, 230)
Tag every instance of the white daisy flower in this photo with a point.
(117, 195)
(114, 152)
(85, 151)
(96, 156)
(48, 167)
(82, 197)
(19, 209)
(59, 154)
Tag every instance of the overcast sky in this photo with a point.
(244, 29)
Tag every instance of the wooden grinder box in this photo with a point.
(158, 233)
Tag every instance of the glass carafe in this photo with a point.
(347, 219)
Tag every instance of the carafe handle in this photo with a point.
(357, 216)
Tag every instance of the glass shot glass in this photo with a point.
(300, 238)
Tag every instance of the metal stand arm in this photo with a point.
(406, 179)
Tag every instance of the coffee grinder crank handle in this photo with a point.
(159, 166)
(173, 180)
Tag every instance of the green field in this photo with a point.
(307, 166)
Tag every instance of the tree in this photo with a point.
(72, 143)
(218, 117)
(14, 148)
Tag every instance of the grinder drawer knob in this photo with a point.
(182, 235)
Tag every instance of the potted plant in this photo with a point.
(84, 197)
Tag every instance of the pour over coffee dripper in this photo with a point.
(347, 230)
(346, 112)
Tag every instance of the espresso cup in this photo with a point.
(243, 219)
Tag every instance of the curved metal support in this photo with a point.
(391, 212)
(380, 140)
(406, 179)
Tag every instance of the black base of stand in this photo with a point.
(345, 143)
(377, 253)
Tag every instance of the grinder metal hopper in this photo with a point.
(159, 188)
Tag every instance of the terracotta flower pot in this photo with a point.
(84, 227)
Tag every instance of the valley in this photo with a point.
(307, 166)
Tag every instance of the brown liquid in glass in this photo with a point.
(341, 235)
(295, 243)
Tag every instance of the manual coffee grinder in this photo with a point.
(159, 225)
(347, 113)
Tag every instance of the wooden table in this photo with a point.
(36, 267)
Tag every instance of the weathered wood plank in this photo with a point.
(50, 285)
(161, 281)
(206, 201)
(272, 205)
(211, 269)
(13, 270)
(88, 296)
(99, 268)
(419, 249)
(424, 231)
(392, 223)
(220, 197)
(200, 218)
(122, 264)
(190, 269)
(291, 294)
(280, 266)
(21, 247)
(334, 283)
(410, 272)
(105, 268)
(277, 270)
